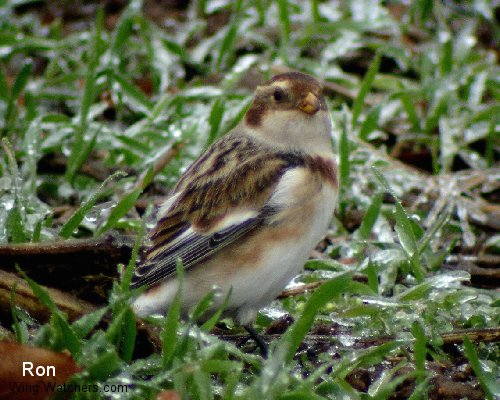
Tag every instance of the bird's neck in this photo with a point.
(289, 133)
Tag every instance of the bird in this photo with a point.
(244, 217)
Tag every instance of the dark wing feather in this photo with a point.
(190, 249)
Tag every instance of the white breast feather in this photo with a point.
(259, 286)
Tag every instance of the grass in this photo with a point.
(421, 85)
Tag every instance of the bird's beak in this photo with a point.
(310, 104)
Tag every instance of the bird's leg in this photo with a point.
(264, 348)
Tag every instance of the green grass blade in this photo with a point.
(86, 323)
(446, 64)
(80, 151)
(344, 162)
(315, 11)
(371, 273)
(493, 137)
(404, 230)
(432, 231)
(129, 269)
(421, 11)
(169, 334)
(238, 117)
(227, 45)
(419, 346)
(121, 209)
(367, 358)
(365, 88)
(123, 32)
(15, 223)
(32, 144)
(284, 19)
(421, 389)
(344, 165)
(129, 335)
(387, 384)
(18, 326)
(202, 385)
(89, 93)
(162, 103)
(15, 227)
(4, 87)
(21, 81)
(370, 217)
(202, 307)
(411, 111)
(292, 338)
(418, 292)
(370, 123)
(487, 380)
(16, 90)
(214, 120)
(210, 323)
(100, 359)
(90, 78)
(131, 91)
(70, 338)
(122, 330)
(74, 221)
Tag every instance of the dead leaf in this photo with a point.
(19, 362)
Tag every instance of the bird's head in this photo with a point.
(290, 110)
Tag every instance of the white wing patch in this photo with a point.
(291, 188)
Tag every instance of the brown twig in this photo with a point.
(23, 296)
(86, 267)
(307, 287)
(486, 335)
(490, 260)
(300, 289)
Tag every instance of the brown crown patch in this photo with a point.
(300, 84)
(293, 76)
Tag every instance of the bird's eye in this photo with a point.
(278, 95)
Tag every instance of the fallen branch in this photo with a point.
(485, 335)
(23, 297)
(84, 267)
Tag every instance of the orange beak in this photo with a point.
(310, 104)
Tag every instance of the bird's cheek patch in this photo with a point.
(255, 114)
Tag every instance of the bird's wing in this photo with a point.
(223, 195)
(190, 247)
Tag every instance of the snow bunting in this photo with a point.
(248, 212)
